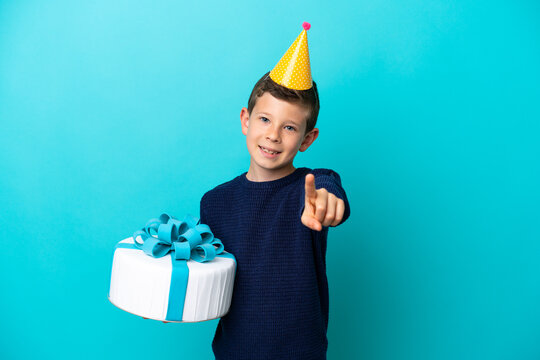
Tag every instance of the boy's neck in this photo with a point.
(259, 175)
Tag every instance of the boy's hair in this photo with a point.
(309, 99)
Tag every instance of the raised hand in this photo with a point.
(321, 207)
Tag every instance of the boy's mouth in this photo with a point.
(268, 151)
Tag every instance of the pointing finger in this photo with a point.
(311, 193)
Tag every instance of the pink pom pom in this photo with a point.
(306, 25)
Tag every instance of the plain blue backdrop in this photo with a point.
(112, 112)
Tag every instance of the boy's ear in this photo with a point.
(244, 119)
(309, 138)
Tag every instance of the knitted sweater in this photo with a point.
(279, 307)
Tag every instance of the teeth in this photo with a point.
(268, 151)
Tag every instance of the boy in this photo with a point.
(274, 218)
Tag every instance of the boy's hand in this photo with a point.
(322, 208)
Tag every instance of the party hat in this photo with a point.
(293, 70)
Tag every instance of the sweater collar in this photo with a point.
(295, 175)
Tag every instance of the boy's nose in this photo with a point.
(273, 135)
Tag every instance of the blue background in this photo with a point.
(114, 112)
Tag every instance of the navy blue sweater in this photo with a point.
(279, 308)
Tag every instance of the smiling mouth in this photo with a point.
(269, 151)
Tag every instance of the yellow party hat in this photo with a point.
(293, 70)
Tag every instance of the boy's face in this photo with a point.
(274, 134)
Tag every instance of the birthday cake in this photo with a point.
(174, 271)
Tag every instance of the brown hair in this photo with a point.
(306, 98)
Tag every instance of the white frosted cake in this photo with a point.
(163, 287)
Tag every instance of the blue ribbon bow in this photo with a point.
(186, 239)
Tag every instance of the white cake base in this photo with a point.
(140, 285)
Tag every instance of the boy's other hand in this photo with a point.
(321, 208)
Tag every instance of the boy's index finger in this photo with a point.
(311, 193)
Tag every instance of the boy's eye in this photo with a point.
(264, 119)
(290, 128)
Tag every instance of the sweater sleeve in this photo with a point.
(202, 214)
(331, 181)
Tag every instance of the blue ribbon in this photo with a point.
(184, 240)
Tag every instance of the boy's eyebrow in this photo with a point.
(265, 113)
